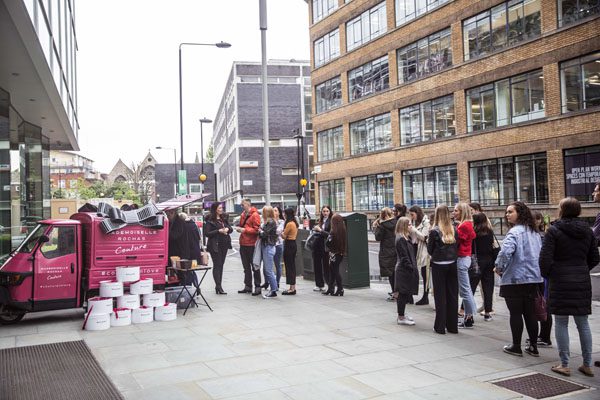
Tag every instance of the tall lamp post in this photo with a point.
(202, 176)
(301, 180)
(175, 185)
(220, 45)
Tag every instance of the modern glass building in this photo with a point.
(38, 107)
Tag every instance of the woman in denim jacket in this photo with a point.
(517, 264)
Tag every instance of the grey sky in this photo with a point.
(128, 68)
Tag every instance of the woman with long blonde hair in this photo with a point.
(406, 274)
(466, 234)
(383, 228)
(268, 236)
(442, 246)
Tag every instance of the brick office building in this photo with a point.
(428, 102)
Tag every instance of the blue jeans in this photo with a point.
(561, 330)
(268, 252)
(464, 285)
(277, 261)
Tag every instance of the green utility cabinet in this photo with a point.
(303, 257)
(355, 265)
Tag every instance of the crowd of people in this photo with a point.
(543, 271)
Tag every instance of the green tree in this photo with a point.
(86, 191)
(209, 157)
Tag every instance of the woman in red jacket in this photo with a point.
(466, 234)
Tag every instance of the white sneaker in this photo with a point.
(405, 321)
(317, 289)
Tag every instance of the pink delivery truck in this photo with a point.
(61, 263)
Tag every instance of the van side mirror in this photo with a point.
(44, 239)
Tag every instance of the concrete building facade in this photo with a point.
(38, 107)
(238, 133)
(428, 102)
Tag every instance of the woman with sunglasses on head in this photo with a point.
(320, 255)
(517, 265)
(466, 234)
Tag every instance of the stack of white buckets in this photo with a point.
(102, 314)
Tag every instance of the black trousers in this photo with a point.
(486, 277)
(246, 254)
(321, 267)
(335, 278)
(392, 279)
(289, 259)
(218, 259)
(445, 287)
(401, 302)
(522, 309)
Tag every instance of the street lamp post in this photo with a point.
(202, 176)
(175, 185)
(301, 180)
(220, 45)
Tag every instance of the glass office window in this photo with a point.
(571, 11)
(504, 180)
(407, 10)
(322, 8)
(430, 187)
(371, 134)
(366, 27)
(509, 101)
(330, 144)
(329, 94)
(580, 83)
(501, 26)
(430, 120)
(425, 57)
(327, 48)
(373, 192)
(369, 78)
(333, 193)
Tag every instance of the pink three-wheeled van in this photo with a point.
(62, 262)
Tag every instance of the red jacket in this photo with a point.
(466, 234)
(251, 223)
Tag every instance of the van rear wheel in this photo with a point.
(9, 315)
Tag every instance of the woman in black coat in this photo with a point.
(568, 254)
(406, 273)
(218, 231)
(320, 255)
(384, 229)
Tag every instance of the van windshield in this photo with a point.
(30, 241)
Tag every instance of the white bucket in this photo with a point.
(111, 289)
(142, 315)
(128, 301)
(143, 286)
(120, 317)
(100, 305)
(128, 274)
(97, 322)
(166, 312)
(155, 299)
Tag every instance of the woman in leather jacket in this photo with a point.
(268, 236)
(218, 231)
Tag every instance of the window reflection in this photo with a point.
(427, 56)
(580, 83)
(373, 192)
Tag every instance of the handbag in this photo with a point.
(474, 268)
(539, 307)
(310, 241)
(204, 258)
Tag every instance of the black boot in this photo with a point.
(425, 299)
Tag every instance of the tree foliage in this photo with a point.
(209, 157)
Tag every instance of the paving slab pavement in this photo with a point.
(306, 346)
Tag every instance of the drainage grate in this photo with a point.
(539, 386)
(57, 371)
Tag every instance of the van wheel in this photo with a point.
(9, 316)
